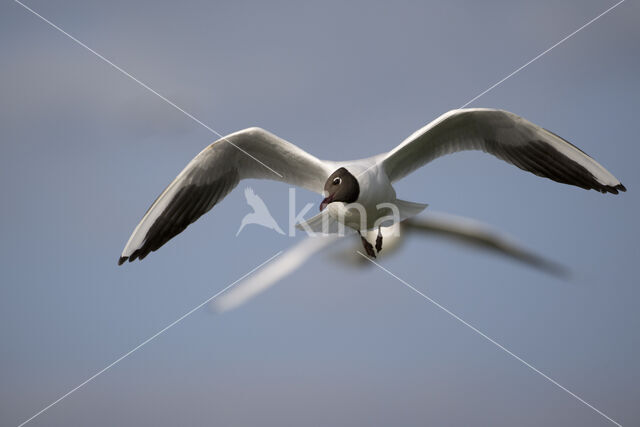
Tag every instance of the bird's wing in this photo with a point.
(271, 274)
(506, 136)
(475, 233)
(212, 174)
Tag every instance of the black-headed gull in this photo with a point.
(367, 183)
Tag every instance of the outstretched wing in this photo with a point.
(475, 233)
(212, 174)
(271, 274)
(506, 136)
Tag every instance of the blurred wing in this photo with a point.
(323, 223)
(212, 174)
(481, 235)
(506, 136)
(275, 271)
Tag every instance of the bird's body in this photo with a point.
(359, 194)
(375, 190)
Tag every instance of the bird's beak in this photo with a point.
(326, 201)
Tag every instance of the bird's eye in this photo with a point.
(337, 181)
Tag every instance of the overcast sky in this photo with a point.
(84, 150)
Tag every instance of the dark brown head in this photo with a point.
(341, 186)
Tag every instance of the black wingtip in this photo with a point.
(614, 189)
(122, 260)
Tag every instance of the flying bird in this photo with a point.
(464, 230)
(367, 183)
(260, 215)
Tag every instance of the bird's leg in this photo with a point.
(379, 240)
(368, 247)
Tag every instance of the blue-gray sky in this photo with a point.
(84, 150)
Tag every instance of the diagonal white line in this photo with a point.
(144, 85)
(541, 54)
(143, 343)
(491, 340)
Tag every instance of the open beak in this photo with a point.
(325, 202)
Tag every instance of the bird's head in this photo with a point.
(341, 186)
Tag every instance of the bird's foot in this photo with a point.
(379, 242)
(368, 247)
